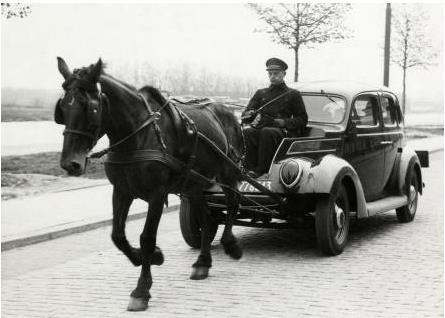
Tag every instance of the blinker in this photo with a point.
(58, 115)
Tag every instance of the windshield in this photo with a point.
(328, 109)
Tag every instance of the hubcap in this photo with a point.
(340, 217)
(412, 198)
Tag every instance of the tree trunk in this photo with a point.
(404, 92)
(296, 64)
(405, 58)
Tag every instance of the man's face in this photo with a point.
(276, 77)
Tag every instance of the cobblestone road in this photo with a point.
(388, 270)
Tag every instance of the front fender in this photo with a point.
(320, 176)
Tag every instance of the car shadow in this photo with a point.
(303, 242)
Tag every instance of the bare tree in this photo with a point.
(303, 24)
(410, 45)
(16, 10)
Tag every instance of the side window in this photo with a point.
(364, 111)
(388, 111)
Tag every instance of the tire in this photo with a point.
(332, 222)
(407, 212)
(189, 223)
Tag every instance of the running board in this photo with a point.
(386, 204)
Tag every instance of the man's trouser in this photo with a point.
(261, 145)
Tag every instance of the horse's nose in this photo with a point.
(74, 168)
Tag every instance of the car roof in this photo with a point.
(346, 88)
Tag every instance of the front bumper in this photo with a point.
(256, 205)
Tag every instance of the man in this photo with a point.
(283, 115)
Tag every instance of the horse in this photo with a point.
(151, 154)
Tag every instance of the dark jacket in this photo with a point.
(289, 107)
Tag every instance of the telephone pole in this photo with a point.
(387, 45)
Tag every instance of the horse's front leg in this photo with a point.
(228, 240)
(150, 253)
(121, 205)
(204, 261)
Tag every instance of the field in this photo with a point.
(26, 113)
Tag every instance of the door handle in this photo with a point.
(386, 142)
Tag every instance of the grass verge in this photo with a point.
(45, 163)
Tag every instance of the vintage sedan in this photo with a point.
(352, 163)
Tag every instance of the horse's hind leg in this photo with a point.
(204, 261)
(141, 294)
(228, 240)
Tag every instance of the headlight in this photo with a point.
(291, 171)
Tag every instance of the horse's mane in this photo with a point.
(154, 93)
(85, 71)
(131, 87)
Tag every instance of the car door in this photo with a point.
(364, 148)
(392, 132)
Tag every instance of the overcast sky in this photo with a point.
(218, 37)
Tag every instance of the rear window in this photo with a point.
(329, 109)
(388, 113)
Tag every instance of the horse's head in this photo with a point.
(80, 110)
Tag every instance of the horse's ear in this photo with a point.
(58, 115)
(63, 68)
(96, 71)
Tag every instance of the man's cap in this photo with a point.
(275, 64)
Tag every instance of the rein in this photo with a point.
(153, 118)
(169, 160)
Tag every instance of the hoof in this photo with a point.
(136, 257)
(157, 258)
(236, 252)
(233, 250)
(199, 273)
(137, 304)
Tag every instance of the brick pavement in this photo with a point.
(388, 270)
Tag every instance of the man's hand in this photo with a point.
(248, 116)
(278, 122)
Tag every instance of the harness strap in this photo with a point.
(252, 181)
(79, 132)
(145, 124)
(144, 155)
(158, 156)
(192, 157)
(156, 115)
(153, 118)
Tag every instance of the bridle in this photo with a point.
(153, 117)
(96, 112)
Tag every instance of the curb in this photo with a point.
(80, 227)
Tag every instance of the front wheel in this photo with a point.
(189, 223)
(332, 222)
(408, 212)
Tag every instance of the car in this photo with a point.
(352, 162)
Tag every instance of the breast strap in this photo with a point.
(143, 155)
(129, 157)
